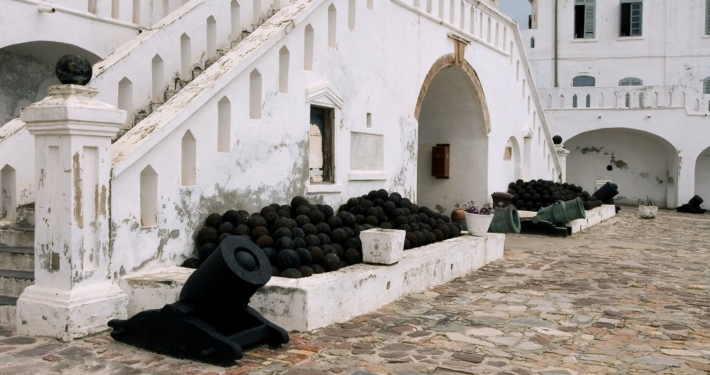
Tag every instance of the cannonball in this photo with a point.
(397, 212)
(400, 220)
(407, 245)
(316, 254)
(430, 237)
(378, 202)
(327, 249)
(281, 232)
(246, 237)
(339, 249)
(357, 229)
(298, 201)
(343, 263)
(353, 243)
(275, 272)
(299, 242)
(352, 202)
(389, 206)
(297, 233)
(352, 256)
(206, 250)
(304, 256)
(284, 213)
(455, 231)
(223, 236)
(372, 194)
(405, 227)
(206, 235)
(331, 262)
(191, 262)
(288, 259)
(264, 241)
(323, 228)
(372, 220)
(327, 211)
(291, 273)
(305, 270)
(271, 217)
(421, 238)
(394, 198)
(316, 217)
(259, 231)
(267, 209)
(445, 218)
(334, 222)
(318, 269)
(284, 243)
(439, 235)
(301, 210)
(444, 230)
(214, 220)
(270, 254)
(282, 222)
(309, 229)
(349, 231)
(302, 220)
(367, 227)
(243, 218)
(414, 226)
(386, 225)
(360, 219)
(348, 220)
(412, 238)
(312, 240)
(339, 236)
(230, 216)
(324, 238)
(256, 220)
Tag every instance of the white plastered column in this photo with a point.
(74, 294)
(562, 157)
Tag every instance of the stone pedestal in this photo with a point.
(74, 295)
(382, 246)
(562, 157)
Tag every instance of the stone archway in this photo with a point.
(451, 109)
(702, 177)
(642, 164)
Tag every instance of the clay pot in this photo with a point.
(457, 215)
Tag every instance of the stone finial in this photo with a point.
(557, 140)
(73, 69)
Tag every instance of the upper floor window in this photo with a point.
(583, 81)
(631, 17)
(630, 81)
(706, 86)
(707, 17)
(584, 12)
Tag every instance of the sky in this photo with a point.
(518, 10)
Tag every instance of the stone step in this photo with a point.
(17, 258)
(7, 311)
(12, 283)
(17, 236)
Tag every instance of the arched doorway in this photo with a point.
(452, 110)
(702, 177)
(27, 71)
(644, 165)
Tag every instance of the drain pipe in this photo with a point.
(557, 84)
(46, 9)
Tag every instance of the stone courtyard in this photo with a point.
(628, 296)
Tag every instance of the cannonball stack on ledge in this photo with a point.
(301, 239)
(536, 194)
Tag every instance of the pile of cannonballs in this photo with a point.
(536, 194)
(302, 239)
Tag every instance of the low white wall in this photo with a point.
(320, 300)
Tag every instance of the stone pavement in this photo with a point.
(628, 296)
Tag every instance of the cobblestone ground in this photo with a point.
(628, 296)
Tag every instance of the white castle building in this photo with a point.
(210, 104)
(627, 85)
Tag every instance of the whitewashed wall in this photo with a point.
(268, 158)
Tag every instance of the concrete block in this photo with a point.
(382, 246)
(17, 237)
(594, 217)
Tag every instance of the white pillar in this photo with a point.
(686, 176)
(562, 157)
(74, 294)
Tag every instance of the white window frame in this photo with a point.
(590, 10)
(639, 28)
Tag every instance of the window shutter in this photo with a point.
(707, 17)
(589, 14)
(706, 89)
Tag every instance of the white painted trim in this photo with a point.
(367, 176)
(322, 94)
(324, 189)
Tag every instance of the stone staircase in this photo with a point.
(16, 262)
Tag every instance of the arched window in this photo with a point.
(574, 101)
(630, 81)
(589, 101)
(532, 42)
(583, 81)
(706, 86)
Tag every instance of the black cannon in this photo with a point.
(607, 193)
(212, 321)
(693, 206)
